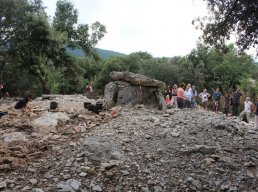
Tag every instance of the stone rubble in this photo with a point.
(140, 150)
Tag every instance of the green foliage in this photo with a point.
(72, 80)
(124, 63)
(35, 56)
(227, 17)
(12, 14)
(250, 87)
(66, 17)
(81, 35)
(160, 69)
(204, 67)
(35, 48)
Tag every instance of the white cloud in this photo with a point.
(160, 27)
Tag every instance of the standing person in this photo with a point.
(89, 88)
(227, 103)
(188, 96)
(248, 105)
(204, 98)
(194, 95)
(174, 96)
(168, 92)
(216, 97)
(167, 100)
(180, 96)
(23, 104)
(236, 101)
(256, 115)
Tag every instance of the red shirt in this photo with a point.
(180, 92)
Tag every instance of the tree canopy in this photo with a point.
(228, 18)
(35, 47)
(34, 56)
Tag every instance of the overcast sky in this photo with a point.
(159, 27)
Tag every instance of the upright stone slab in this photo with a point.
(131, 88)
(111, 92)
(136, 95)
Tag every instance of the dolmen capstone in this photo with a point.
(131, 88)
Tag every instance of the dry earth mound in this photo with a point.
(142, 149)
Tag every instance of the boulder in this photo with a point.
(14, 136)
(48, 122)
(138, 89)
(99, 151)
(111, 91)
(136, 94)
(137, 79)
(161, 100)
(71, 185)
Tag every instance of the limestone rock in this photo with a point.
(48, 122)
(14, 136)
(137, 79)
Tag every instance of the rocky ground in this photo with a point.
(142, 149)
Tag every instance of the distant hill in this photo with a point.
(102, 53)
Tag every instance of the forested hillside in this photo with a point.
(104, 54)
(34, 56)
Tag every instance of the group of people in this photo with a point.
(185, 97)
(181, 96)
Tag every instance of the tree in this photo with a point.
(33, 42)
(87, 39)
(11, 19)
(199, 61)
(66, 17)
(230, 17)
(12, 14)
(77, 35)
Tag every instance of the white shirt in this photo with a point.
(188, 94)
(248, 105)
(204, 96)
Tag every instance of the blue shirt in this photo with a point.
(216, 96)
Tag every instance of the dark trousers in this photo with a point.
(187, 104)
(180, 103)
(235, 109)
